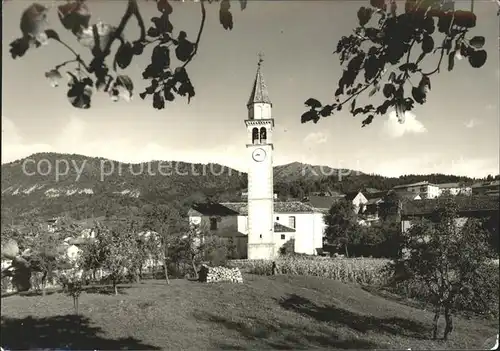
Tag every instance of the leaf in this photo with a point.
(54, 76)
(225, 16)
(169, 96)
(19, 47)
(388, 90)
(52, 34)
(353, 104)
(411, 67)
(327, 110)
(80, 92)
(418, 95)
(311, 115)
(478, 58)
(313, 103)
(153, 32)
(74, 16)
(451, 61)
(160, 58)
(364, 15)
(34, 20)
(123, 88)
(104, 33)
(477, 42)
(427, 44)
(379, 4)
(466, 19)
(164, 6)
(243, 4)
(184, 50)
(124, 55)
(367, 121)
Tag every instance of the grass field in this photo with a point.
(278, 312)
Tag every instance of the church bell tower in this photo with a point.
(260, 124)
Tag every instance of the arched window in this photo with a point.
(255, 136)
(263, 135)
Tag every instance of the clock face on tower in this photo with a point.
(259, 155)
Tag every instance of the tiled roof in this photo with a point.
(412, 185)
(280, 228)
(375, 195)
(259, 90)
(494, 183)
(449, 185)
(241, 208)
(324, 201)
(464, 204)
(374, 201)
(407, 194)
(351, 195)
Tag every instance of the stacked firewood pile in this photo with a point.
(220, 274)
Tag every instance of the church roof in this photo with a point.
(259, 91)
(241, 209)
(280, 228)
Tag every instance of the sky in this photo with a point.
(455, 132)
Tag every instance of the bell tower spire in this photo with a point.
(259, 125)
(259, 94)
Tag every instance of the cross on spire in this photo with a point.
(261, 54)
(259, 90)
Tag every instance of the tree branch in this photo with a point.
(132, 9)
(77, 56)
(200, 31)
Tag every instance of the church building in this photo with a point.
(260, 226)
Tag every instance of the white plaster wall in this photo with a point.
(195, 220)
(243, 224)
(260, 111)
(261, 251)
(319, 229)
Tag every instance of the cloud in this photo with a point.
(394, 129)
(76, 138)
(316, 138)
(14, 147)
(472, 123)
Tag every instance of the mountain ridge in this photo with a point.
(83, 186)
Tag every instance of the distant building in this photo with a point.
(358, 200)
(455, 189)
(408, 217)
(486, 188)
(425, 189)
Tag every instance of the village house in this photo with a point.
(454, 189)
(486, 188)
(425, 189)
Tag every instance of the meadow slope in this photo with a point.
(278, 312)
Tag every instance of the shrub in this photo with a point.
(288, 248)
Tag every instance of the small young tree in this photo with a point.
(450, 262)
(167, 222)
(117, 249)
(341, 225)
